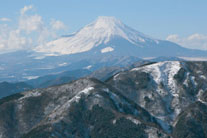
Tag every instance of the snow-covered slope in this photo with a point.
(163, 72)
(164, 89)
(99, 32)
(84, 108)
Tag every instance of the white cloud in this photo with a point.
(11, 40)
(173, 37)
(16, 41)
(194, 41)
(25, 9)
(57, 25)
(31, 31)
(5, 19)
(44, 35)
(30, 23)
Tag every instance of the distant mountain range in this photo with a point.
(67, 76)
(153, 100)
(7, 89)
(103, 43)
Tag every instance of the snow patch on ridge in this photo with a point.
(163, 72)
(88, 67)
(30, 94)
(135, 121)
(31, 77)
(120, 101)
(163, 75)
(199, 96)
(60, 109)
(63, 64)
(107, 49)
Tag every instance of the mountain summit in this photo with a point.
(109, 27)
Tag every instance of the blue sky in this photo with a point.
(181, 21)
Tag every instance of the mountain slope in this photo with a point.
(83, 108)
(192, 122)
(159, 100)
(165, 89)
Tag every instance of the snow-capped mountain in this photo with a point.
(105, 42)
(101, 31)
(110, 35)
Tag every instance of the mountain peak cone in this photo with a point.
(110, 35)
(99, 32)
